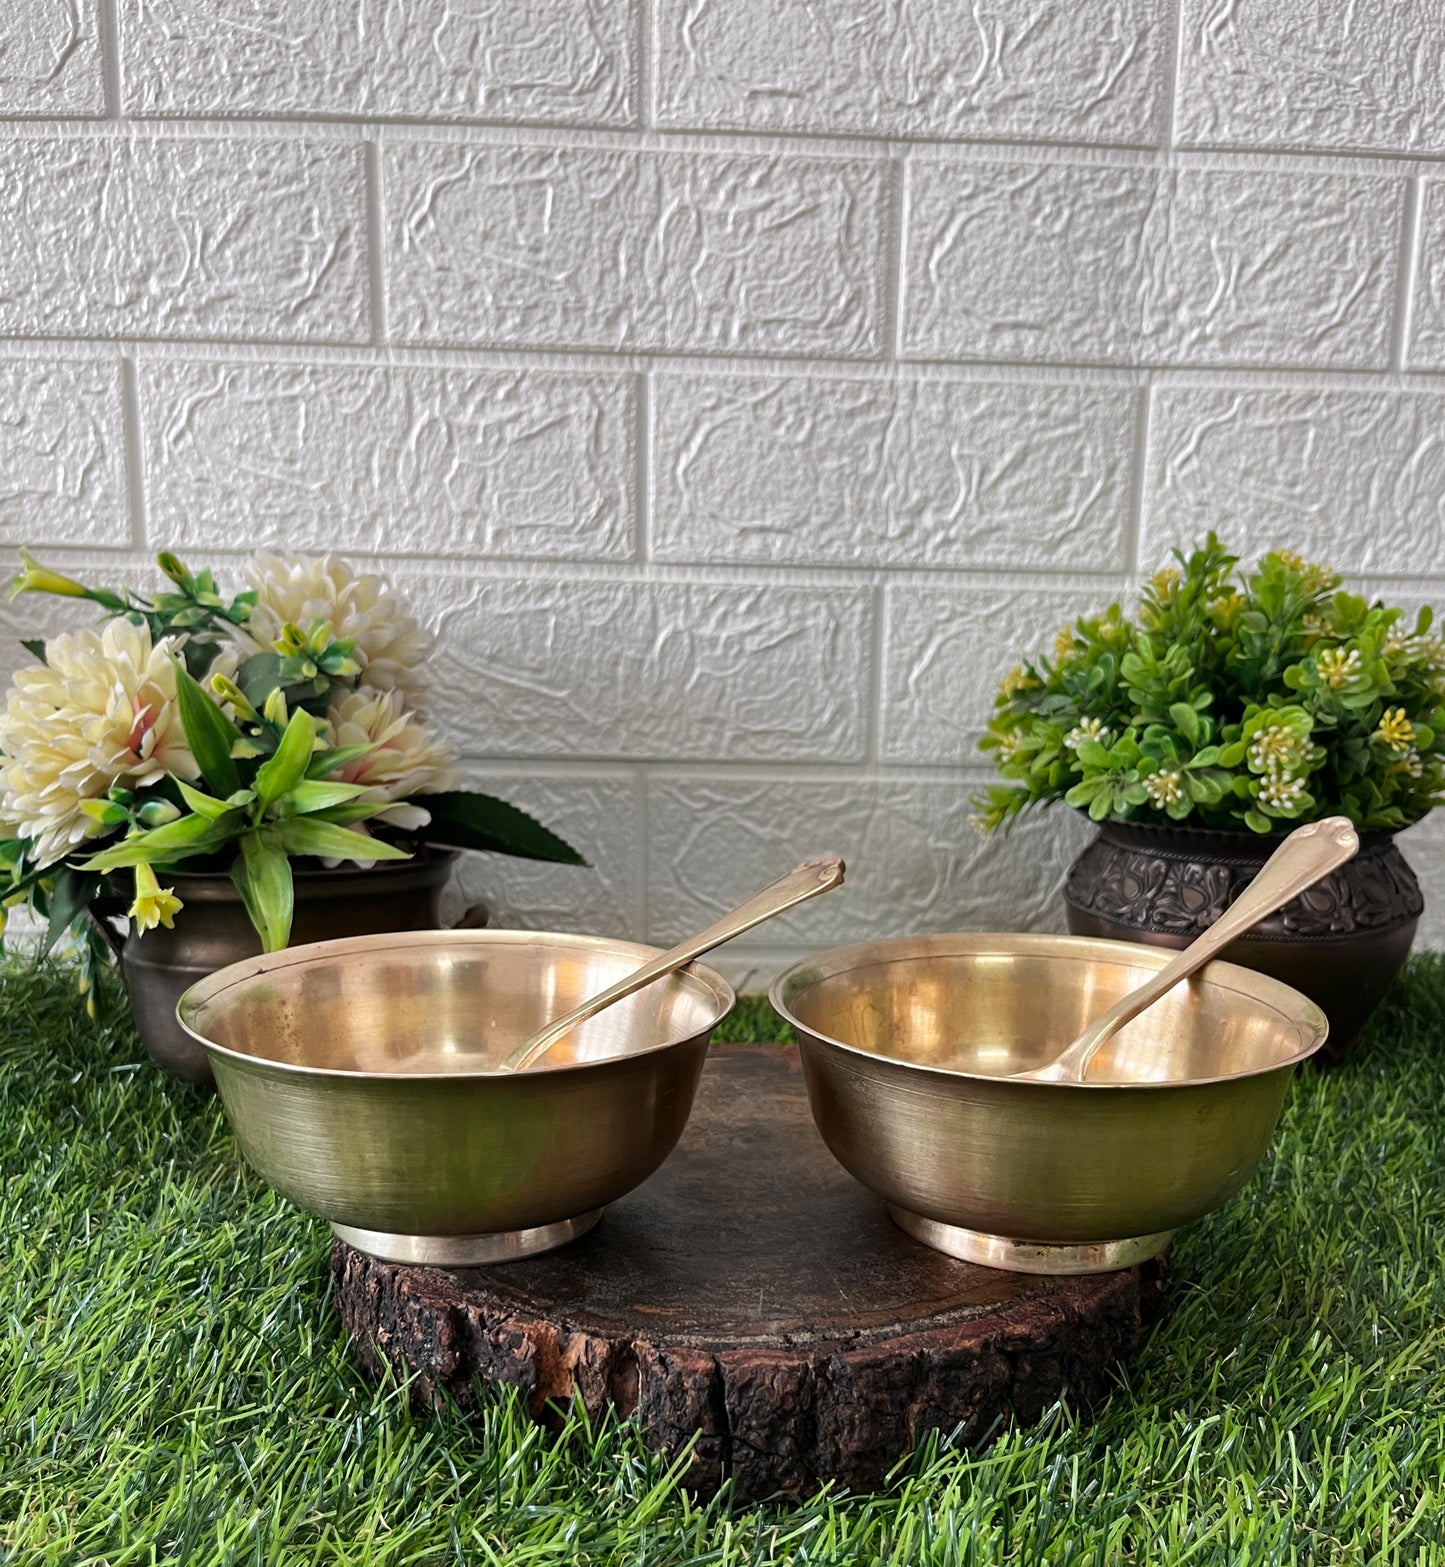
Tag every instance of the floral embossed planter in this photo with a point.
(1342, 942)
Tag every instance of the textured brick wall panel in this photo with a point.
(61, 454)
(1427, 346)
(50, 58)
(1291, 75)
(891, 473)
(425, 462)
(557, 61)
(1131, 265)
(584, 247)
(187, 238)
(632, 670)
(1091, 71)
(1358, 476)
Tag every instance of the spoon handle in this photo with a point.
(803, 882)
(1306, 855)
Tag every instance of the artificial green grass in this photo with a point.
(174, 1386)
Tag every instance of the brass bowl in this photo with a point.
(906, 1045)
(360, 1079)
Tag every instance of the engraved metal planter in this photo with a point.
(213, 930)
(1341, 943)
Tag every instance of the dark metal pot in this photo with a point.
(1341, 943)
(213, 930)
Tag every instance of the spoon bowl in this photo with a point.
(362, 1080)
(908, 1050)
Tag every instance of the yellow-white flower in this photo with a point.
(99, 714)
(1395, 730)
(408, 756)
(1281, 793)
(298, 590)
(1339, 666)
(1087, 729)
(1274, 750)
(1164, 787)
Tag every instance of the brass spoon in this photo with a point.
(804, 882)
(1309, 853)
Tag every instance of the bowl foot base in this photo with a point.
(467, 1251)
(998, 1251)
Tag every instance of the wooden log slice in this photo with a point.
(752, 1292)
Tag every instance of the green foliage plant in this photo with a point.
(1242, 700)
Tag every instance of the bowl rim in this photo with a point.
(221, 980)
(1293, 1006)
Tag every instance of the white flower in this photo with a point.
(1273, 750)
(1432, 653)
(1281, 793)
(1087, 729)
(1165, 788)
(408, 758)
(298, 590)
(1400, 645)
(99, 714)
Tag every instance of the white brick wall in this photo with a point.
(737, 385)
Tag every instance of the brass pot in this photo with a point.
(1342, 942)
(906, 1046)
(362, 1081)
(213, 930)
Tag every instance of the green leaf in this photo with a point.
(304, 835)
(345, 815)
(1085, 791)
(288, 766)
(207, 804)
(1186, 720)
(71, 893)
(175, 841)
(35, 647)
(324, 763)
(262, 875)
(1092, 754)
(465, 820)
(311, 795)
(259, 676)
(209, 733)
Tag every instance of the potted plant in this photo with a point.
(1236, 706)
(231, 773)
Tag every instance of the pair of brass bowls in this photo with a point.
(360, 1077)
